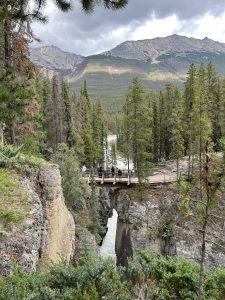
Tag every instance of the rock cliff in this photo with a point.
(48, 230)
(157, 225)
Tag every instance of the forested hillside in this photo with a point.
(154, 61)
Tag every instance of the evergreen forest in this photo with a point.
(43, 121)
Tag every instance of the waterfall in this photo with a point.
(108, 245)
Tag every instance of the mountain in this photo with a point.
(51, 57)
(154, 61)
(154, 48)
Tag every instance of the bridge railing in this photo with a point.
(109, 176)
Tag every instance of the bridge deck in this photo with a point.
(129, 180)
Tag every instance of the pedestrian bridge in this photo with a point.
(130, 179)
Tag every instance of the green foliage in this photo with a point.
(137, 225)
(74, 186)
(24, 286)
(96, 226)
(152, 276)
(11, 216)
(88, 280)
(173, 279)
(135, 136)
(13, 200)
(13, 158)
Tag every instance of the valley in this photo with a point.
(155, 62)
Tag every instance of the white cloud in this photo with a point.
(157, 28)
(78, 33)
(208, 26)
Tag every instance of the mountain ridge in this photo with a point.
(205, 42)
(154, 61)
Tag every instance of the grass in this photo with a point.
(13, 200)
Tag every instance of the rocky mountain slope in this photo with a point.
(154, 48)
(51, 57)
(154, 61)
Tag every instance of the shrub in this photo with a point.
(74, 187)
(12, 158)
(13, 199)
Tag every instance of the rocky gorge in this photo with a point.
(151, 222)
(157, 225)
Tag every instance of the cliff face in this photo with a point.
(156, 225)
(48, 230)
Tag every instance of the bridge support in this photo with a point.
(129, 179)
(102, 178)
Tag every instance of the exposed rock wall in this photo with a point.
(48, 231)
(156, 225)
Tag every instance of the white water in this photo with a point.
(121, 162)
(108, 245)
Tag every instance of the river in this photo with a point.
(121, 162)
(108, 245)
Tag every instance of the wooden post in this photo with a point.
(114, 179)
(102, 178)
(128, 182)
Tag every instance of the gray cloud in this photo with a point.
(81, 33)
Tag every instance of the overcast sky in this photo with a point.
(85, 34)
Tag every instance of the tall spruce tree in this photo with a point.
(191, 95)
(176, 128)
(162, 125)
(155, 131)
(139, 119)
(216, 104)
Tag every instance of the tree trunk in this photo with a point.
(177, 167)
(189, 166)
(204, 227)
(13, 135)
(7, 47)
(202, 261)
(1, 134)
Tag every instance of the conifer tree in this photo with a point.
(202, 115)
(155, 132)
(126, 143)
(190, 96)
(139, 119)
(176, 127)
(162, 125)
(98, 134)
(216, 104)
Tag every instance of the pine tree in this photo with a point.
(190, 97)
(139, 119)
(125, 144)
(155, 132)
(162, 126)
(216, 104)
(84, 125)
(97, 134)
(176, 127)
